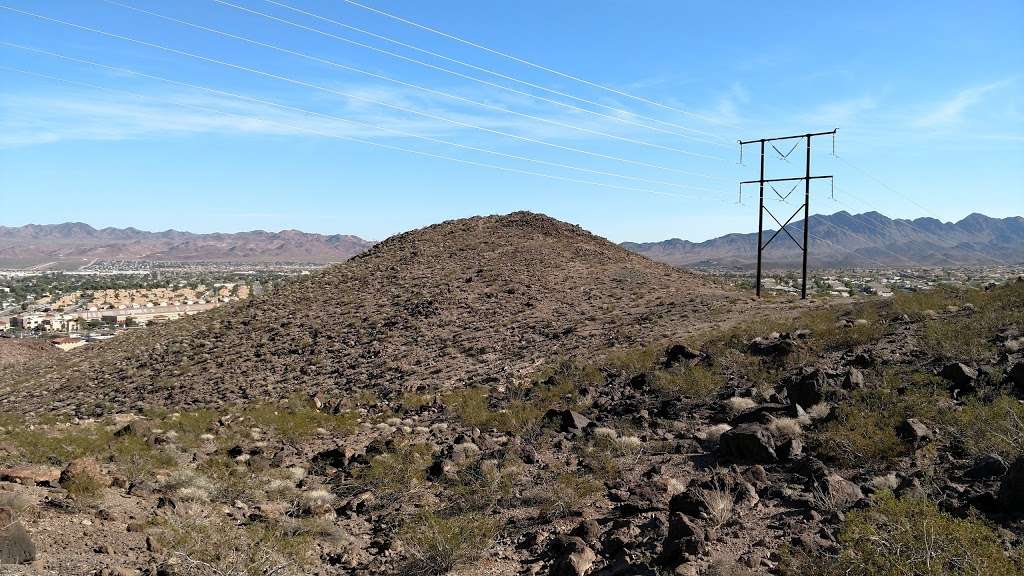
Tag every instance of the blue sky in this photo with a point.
(928, 99)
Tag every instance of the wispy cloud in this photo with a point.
(952, 110)
(32, 118)
(840, 112)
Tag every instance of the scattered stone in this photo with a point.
(567, 420)
(807, 388)
(773, 345)
(854, 379)
(987, 466)
(835, 493)
(1011, 489)
(572, 556)
(681, 353)
(748, 444)
(962, 377)
(81, 469)
(914, 430)
(31, 475)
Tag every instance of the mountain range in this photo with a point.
(857, 240)
(837, 240)
(71, 242)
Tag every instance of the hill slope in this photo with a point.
(463, 302)
(74, 241)
(869, 239)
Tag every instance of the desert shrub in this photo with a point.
(137, 459)
(563, 494)
(85, 489)
(411, 401)
(988, 427)
(696, 382)
(523, 407)
(478, 488)
(54, 444)
(436, 543)
(229, 481)
(633, 360)
(863, 430)
(392, 475)
(968, 337)
(895, 537)
(207, 544)
(298, 420)
(189, 426)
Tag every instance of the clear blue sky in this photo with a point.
(928, 98)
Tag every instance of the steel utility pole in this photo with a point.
(806, 206)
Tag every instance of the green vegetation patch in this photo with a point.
(897, 537)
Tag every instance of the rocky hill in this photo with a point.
(75, 242)
(480, 300)
(868, 240)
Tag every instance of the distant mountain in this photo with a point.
(76, 242)
(847, 240)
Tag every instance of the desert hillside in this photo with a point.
(464, 302)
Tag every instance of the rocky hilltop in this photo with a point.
(512, 395)
(480, 300)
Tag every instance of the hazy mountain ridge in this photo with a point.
(35, 243)
(868, 239)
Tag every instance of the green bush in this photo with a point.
(898, 537)
(438, 543)
(696, 382)
(298, 420)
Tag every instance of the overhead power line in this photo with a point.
(336, 64)
(122, 70)
(528, 62)
(621, 115)
(343, 137)
(339, 92)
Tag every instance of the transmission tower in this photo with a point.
(806, 179)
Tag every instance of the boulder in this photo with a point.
(987, 466)
(681, 353)
(16, 546)
(1011, 489)
(572, 556)
(807, 388)
(31, 475)
(854, 379)
(836, 492)
(1016, 377)
(567, 420)
(914, 431)
(774, 345)
(748, 444)
(961, 376)
(685, 538)
(82, 468)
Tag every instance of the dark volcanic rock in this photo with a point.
(961, 376)
(1011, 490)
(567, 420)
(748, 444)
(807, 388)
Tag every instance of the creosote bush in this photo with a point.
(437, 543)
(896, 537)
(298, 420)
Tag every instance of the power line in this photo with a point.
(122, 70)
(527, 62)
(343, 137)
(618, 118)
(408, 84)
(338, 92)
